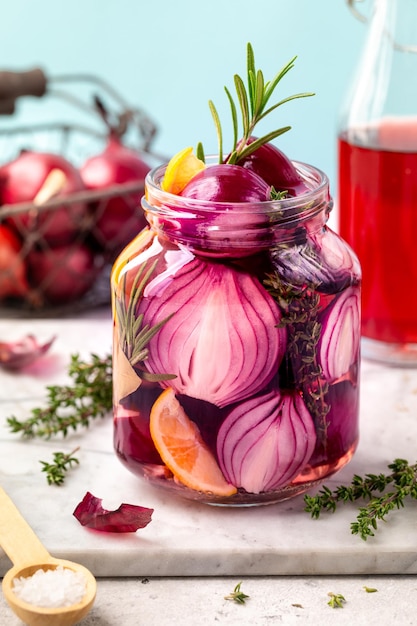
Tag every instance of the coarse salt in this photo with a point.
(51, 588)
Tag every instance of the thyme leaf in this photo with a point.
(237, 595)
(300, 306)
(69, 406)
(336, 600)
(62, 462)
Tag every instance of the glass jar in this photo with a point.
(377, 195)
(236, 346)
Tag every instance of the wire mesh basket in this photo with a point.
(57, 248)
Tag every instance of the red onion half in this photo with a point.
(222, 340)
(266, 441)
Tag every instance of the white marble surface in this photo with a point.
(283, 556)
(187, 538)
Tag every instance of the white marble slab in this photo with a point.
(186, 538)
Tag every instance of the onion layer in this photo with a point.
(266, 441)
(222, 340)
(340, 336)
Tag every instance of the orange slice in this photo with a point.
(180, 170)
(181, 447)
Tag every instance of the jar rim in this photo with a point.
(310, 201)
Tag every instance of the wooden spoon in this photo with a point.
(29, 555)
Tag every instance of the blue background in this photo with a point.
(170, 57)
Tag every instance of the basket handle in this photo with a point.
(15, 84)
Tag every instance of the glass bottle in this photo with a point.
(377, 180)
(236, 346)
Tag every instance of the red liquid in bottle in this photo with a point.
(378, 218)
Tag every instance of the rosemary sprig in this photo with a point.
(133, 336)
(62, 462)
(237, 595)
(403, 481)
(300, 305)
(69, 406)
(252, 100)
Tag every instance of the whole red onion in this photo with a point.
(276, 169)
(61, 275)
(227, 183)
(121, 217)
(32, 177)
(13, 280)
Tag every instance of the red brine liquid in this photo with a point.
(378, 218)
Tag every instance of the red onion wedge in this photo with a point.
(222, 340)
(128, 518)
(340, 340)
(266, 441)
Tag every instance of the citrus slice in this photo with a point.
(180, 170)
(181, 447)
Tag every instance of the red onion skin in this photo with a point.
(227, 183)
(17, 355)
(20, 181)
(62, 275)
(128, 518)
(218, 356)
(13, 279)
(266, 441)
(275, 168)
(122, 215)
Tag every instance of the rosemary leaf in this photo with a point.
(234, 118)
(244, 104)
(218, 126)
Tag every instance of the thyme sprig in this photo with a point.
(62, 462)
(337, 600)
(300, 305)
(237, 595)
(69, 406)
(252, 100)
(403, 482)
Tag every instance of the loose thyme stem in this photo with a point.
(237, 595)
(403, 482)
(336, 600)
(69, 406)
(62, 462)
(300, 311)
